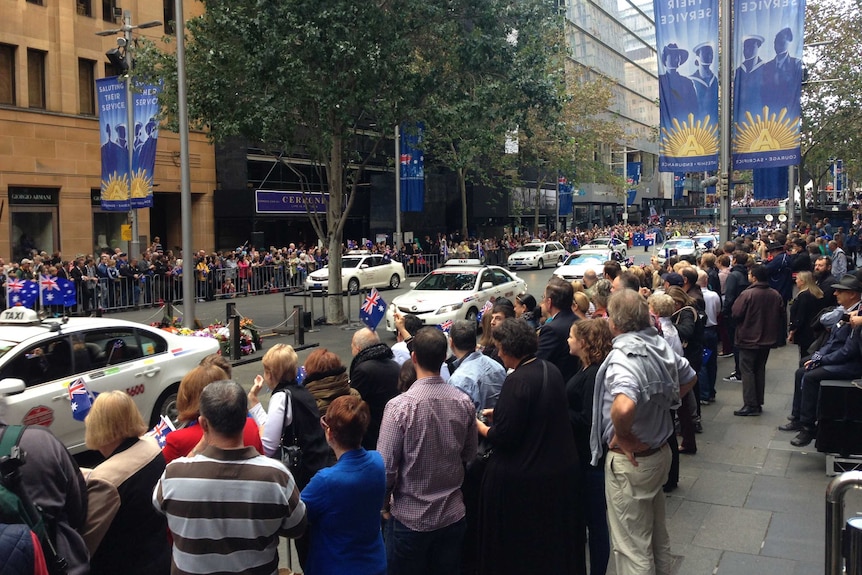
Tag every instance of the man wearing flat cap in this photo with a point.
(782, 77)
(838, 358)
(748, 79)
(704, 81)
(673, 87)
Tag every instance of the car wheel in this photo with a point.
(540, 265)
(353, 286)
(472, 315)
(623, 253)
(166, 405)
(394, 281)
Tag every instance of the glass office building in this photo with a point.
(616, 39)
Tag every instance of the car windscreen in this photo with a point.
(581, 259)
(6, 346)
(445, 281)
(676, 244)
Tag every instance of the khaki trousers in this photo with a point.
(636, 513)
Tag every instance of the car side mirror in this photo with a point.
(413, 284)
(559, 264)
(363, 266)
(487, 285)
(11, 386)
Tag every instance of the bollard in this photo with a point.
(323, 298)
(835, 493)
(229, 312)
(298, 327)
(853, 532)
(235, 353)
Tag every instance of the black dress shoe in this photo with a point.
(748, 410)
(793, 425)
(805, 437)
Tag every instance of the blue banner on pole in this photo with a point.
(412, 172)
(146, 131)
(111, 95)
(770, 183)
(687, 44)
(767, 48)
(566, 193)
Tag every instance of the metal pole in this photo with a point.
(725, 64)
(791, 201)
(835, 492)
(185, 179)
(134, 244)
(398, 239)
(298, 326)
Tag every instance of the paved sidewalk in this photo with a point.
(748, 503)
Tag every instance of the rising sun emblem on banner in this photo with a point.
(115, 188)
(690, 138)
(767, 132)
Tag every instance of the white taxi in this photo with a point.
(458, 290)
(537, 254)
(359, 270)
(39, 359)
(578, 263)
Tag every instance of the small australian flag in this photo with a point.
(80, 398)
(373, 309)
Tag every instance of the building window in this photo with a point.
(108, 7)
(7, 74)
(86, 87)
(39, 2)
(84, 7)
(36, 78)
(170, 16)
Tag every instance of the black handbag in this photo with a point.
(290, 455)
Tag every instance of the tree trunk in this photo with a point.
(334, 213)
(462, 183)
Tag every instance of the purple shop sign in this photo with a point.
(278, 202)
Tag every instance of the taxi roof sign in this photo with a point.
(19, 315)
(463, 262)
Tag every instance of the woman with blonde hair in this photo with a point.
(123, 531)
(581, 305)
(180, 443)
(803, 309)
(292, 418)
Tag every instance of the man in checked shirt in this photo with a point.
(426, 436)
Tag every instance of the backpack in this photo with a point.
(15, 506)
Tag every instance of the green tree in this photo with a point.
(832, 92)
(562, 140)
(493, 71)
(300, 74)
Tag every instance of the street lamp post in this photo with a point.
(125, 42)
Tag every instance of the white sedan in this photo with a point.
(359, 271)
(678, 246)
(457, 290)
(39, 360)
(608, 243)
(537, 255)
(583, 260)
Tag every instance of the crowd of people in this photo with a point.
(555, 431)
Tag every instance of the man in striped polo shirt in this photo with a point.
(226, 504)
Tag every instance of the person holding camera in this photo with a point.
(292, 418)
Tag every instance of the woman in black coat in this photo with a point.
(528, 514)
(804, 308)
